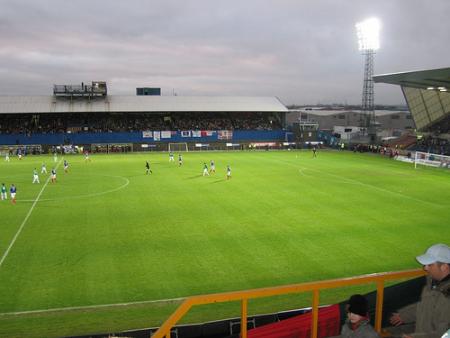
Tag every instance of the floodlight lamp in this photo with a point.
(368, 34)
(430, 88)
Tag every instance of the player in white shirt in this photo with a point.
(43, 169)
(4, 196)
(147, 168)
(205, 170)
(35, 176)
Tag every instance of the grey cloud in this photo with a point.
(300, 51)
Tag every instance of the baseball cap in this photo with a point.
(435, 253)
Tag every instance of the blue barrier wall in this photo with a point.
(136, 137)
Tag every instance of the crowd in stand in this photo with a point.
(132, 122)
(427, 145)
(434, 142)
(434, 145)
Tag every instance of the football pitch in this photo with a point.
(109, 248)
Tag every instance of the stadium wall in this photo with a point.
(143, 137)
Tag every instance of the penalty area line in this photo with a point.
(25, 220)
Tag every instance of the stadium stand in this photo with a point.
(89, 119)
(427, 95)
(123, 122)
(403, 142)
(300, 326)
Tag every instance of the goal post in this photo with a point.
(431, 160)
(178, 147)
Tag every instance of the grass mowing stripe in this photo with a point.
(25, 220)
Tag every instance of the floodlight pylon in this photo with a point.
(367, 32)
(368, 96)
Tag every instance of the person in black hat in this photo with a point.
(357, 324)
(357, 304)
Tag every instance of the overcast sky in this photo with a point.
(303, 52)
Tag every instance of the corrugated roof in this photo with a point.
(339, 112)
(51, 104)
(418, 79)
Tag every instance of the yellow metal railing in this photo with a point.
(378, 278)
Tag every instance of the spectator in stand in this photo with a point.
(50, 123)
(430, 317)
(357, 324)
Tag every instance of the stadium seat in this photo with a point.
(300, 326)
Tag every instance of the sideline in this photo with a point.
(26, 219)
(89, 307)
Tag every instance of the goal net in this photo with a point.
(177, 147)
(432, 160)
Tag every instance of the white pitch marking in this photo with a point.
(350, 180)
(87, 307)
(353, 181)
(127, 181)
(25, 220)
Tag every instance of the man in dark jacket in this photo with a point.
(431, 314)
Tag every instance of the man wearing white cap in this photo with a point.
(431, 314)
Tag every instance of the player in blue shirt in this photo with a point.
(53, 175)
(12, 193)
(228, 172)
(66, 166)
(180, 160)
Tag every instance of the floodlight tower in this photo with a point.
(368, 41)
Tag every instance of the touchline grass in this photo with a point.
(107, 233)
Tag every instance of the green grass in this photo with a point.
(106, 233)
